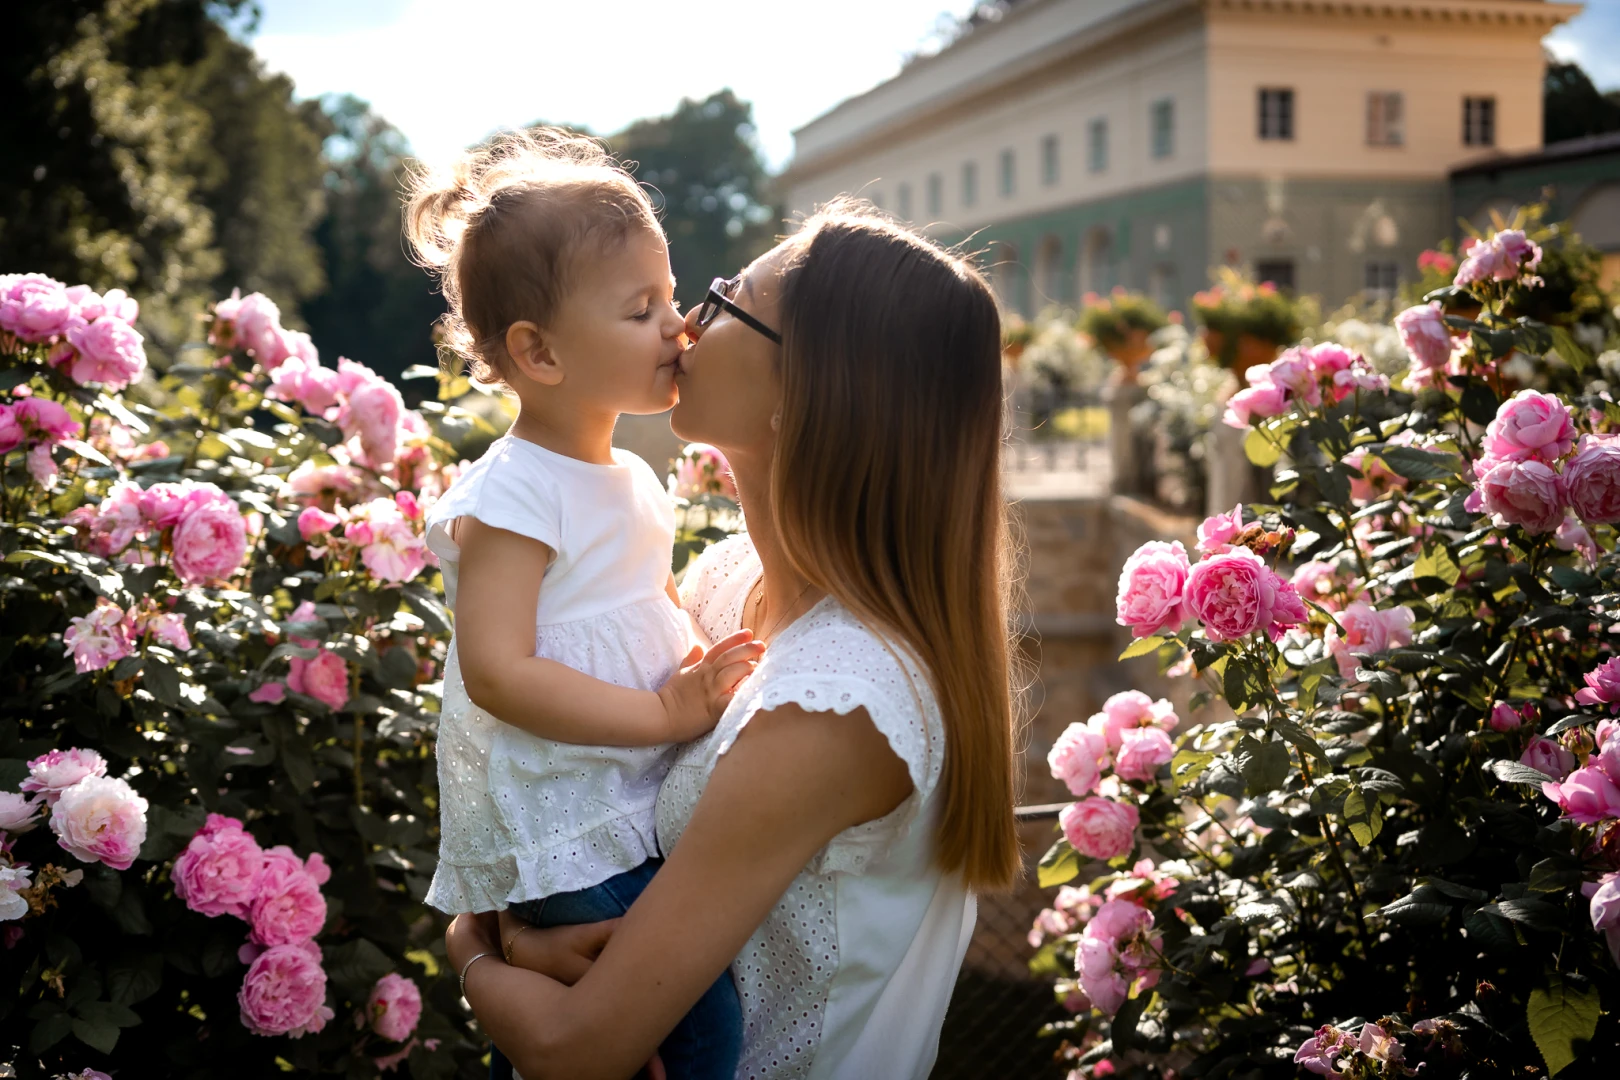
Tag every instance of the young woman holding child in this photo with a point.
(820, 845)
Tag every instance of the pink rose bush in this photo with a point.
(701, 470)
(200, 570)
(1397, 793)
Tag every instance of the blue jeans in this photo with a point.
(707, 1043)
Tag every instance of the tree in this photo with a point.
(1573, 107)
(706, 178)
(377, 308)
(147, 150)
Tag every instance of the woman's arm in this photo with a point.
(792, 782)
(496, 597)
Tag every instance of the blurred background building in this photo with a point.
(1086, 144)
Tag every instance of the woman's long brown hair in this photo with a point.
(891, 429)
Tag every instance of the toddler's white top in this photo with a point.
(850, 974)
(522, 817)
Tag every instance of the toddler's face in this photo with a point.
(618, 334)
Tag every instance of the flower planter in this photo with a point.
(1130, 353)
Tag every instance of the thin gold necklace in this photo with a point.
(760, 603)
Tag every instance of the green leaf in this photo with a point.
(108, 1012)
(1363, 817)
(1123, 1030)
(50, 1031)
(1516, 772)
(1479, 404)
(1058, 866)
(1259, 449)
(1415, 464)
(1570, 349)
(101, 1036)
(357, 965)
(1300, 738)
(1264, 765)
(419, 371)
(161, 681)
(1188, 765)
(1142, 647)
(133, 979)
(1436, 562)
(1561, 1016)
(27, 556)
(1534, 913)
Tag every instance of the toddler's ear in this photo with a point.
(526, 345)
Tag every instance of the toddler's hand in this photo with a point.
(695, 696)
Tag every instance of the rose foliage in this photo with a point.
(1399, 851)
(221, 645)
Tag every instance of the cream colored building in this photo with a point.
(1084, 144)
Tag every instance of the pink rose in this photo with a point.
(210, 542)
(1097, 962)
(1100, 828)
(1505, 717)
(99, 639)
(1524, 493)
(100, 819)
(109, 351)
(34, 307)
(1376, 479)
(1592, 480)
(1587, 797)
(41, 465)
(1605, 903)
(305, 383)
(1572, 536)
(1217, 533)
(1141, 754)
(1293, 372)
(46, 421)
(1519, 249)
(89, 307)
(314, 522)
(1130, 710)
(325, 678)
(1425, 335)
(313, 481)
(18, 813)
(373, 412)
(408, 505)
(392, 551)
(1236, 593)
(270, 693)
(1530, 425)
(11, 432)
(1367, 630)
(1546, 755)
(284, 992)
(1076, 758)
(395, 1006)
(1262, 401)
(701, 469)
(169, 629)
(1151, 586)
(1117, 920)
(218, 872)
(1501, 258)
(287, 905)
(118, 520)
(54, 772)
(1602, 686)
(1318, 581)
(258, 326)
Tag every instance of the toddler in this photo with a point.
(565, 690)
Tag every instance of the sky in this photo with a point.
(448, 72)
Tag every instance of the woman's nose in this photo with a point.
(693, 330)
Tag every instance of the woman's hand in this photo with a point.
(564, 953)
(469, 935)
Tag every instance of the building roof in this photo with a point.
(1569, 150)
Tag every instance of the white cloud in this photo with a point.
(447, 72)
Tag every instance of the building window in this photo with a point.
(1276, 113)
(936, 193)
(903, 202)
(1097, 145)
(1009, 178)
(1383, 278)
(1280, 272)
(970, 183)
(1479, 121)
(1386, 123)
(1049, 160)
(1164, 128)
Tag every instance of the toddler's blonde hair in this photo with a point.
(503, 228)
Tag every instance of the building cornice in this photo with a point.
(1539, 13)
(1019, 70)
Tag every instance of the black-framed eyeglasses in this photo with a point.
(720, 293)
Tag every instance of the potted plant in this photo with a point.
(1245, 324)
(1016, 334)
(1120, 324)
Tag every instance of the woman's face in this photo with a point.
(728, 378)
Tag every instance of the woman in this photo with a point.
(823, 840)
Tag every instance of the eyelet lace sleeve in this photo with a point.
(836, 664)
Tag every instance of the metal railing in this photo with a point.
(997, 1006)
